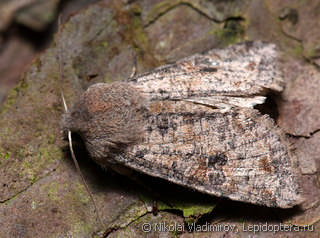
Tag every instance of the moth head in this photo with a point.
(108, 118)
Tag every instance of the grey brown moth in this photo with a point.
(193, 123)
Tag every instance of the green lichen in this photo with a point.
(10, 100)
(137, 32)
(81, 193)
(298, 51)
(191, 209)
(13, 95)
(105, 44)
(135, 35)
(78, 228)
(4, 155)
(24, 151)
(136, 9)
(51, 139)
(27, 164)
(232, 32)
(36, 161)
(312, 51)
(52, 190)
(32, 179)
(49, 153)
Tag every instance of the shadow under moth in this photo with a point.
(193, 123)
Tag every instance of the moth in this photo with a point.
(193, 123)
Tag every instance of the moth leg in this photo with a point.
(155, 209)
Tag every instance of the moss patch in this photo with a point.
(192, 209)
(233, 31)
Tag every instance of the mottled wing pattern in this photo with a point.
(198, 125)
(238, 154)
(235, 152)
(246, 69)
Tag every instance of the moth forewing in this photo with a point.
(242, 70)
(227, 102)
(237, 154)
(192, 123)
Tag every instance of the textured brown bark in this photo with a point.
(41, 192)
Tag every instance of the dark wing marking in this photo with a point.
(198, 127)
(238, 154)
(238, 70)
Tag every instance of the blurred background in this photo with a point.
(26, 29)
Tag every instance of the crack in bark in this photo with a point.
(304, 136)
(29, 186)
(119, 227)
(291, 36)
(198, 10)
(311, 61)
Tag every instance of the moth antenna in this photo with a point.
(64, 102)
(82, 177)
(70, 134)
